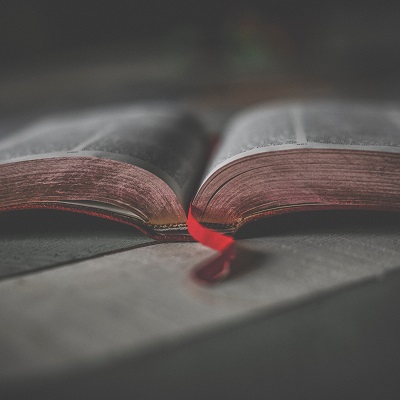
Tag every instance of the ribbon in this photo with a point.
(218, 267)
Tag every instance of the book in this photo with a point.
(144, 165)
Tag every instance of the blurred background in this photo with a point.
(58, 54)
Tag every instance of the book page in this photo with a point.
(162, 139)
(323, 124)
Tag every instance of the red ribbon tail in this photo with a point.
(218, 267)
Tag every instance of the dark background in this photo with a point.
(329, 39)
(345, 34)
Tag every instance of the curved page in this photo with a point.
(303, 155)
(161, 140)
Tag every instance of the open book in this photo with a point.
(144, 165)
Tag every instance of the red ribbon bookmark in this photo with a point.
(218, 267)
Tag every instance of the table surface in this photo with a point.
(80, 315)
